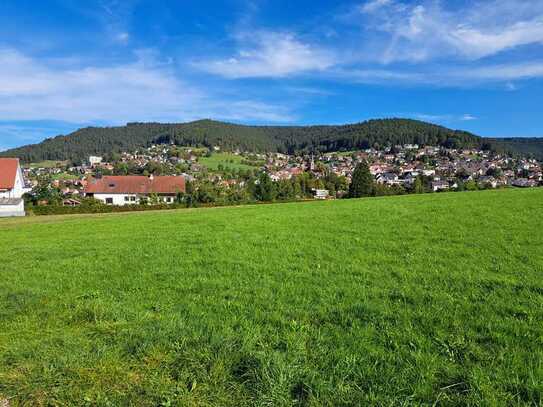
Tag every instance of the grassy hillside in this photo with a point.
(47, 164)
(106, 140)
(424, 299)
(226, 160)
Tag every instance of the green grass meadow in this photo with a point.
(47, 164)
(432, 299)
(227, 160)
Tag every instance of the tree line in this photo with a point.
(106, 141)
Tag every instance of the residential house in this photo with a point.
(524, 183)
(488, 181)
(132, 189)
(321, 193)
(95, 160)
(388, 178)
(12, 188)
(439, 185)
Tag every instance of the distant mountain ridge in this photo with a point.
(78, 145)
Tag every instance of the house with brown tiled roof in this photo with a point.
(12, 188)
(132, 189)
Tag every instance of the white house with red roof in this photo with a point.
(131, 189)
(12, 188)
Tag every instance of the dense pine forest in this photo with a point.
(77, 146)
(525, 146)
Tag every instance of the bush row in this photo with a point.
(101, 208)
(67, 210)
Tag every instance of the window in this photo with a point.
(168, 199)
(126, 198)
(133, 198)
(109, 201)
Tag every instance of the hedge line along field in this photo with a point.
(432, 299)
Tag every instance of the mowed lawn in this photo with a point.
(227, 160)
(48, 164)
(427, 299)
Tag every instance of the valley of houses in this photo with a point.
(394, 167)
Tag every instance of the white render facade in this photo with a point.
(12, 207)
(18, 190)
(129, 199)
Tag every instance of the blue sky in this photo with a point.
(473, 65)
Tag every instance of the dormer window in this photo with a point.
(112, 185)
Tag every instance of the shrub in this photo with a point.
(68, 210)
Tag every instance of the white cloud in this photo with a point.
(443, 46)
(436, 118)
(510, 86)
(374, 76)
(503, 72)
(123, 37)
(426, 30)
(308, 90)
(144, 90)
(445, 76)
(441, 118)
(18, 133)
(373, 5)
(270, 54)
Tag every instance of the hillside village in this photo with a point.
(233, 175)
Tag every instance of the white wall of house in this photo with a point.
(321, 193)
(12, 210)
(129, 199)
(93, 160)
(117, 199)
(18, 190)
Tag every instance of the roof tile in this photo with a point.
(136, 184)
(8, 172)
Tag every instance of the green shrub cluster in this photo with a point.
(67, 210)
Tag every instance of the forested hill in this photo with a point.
(77, 146)
(525, 146)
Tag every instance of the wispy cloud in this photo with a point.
(511, 87)
(445, 76)
(122, 37)
(308, 90)
(146, 89)
(426, 42)
(373, 5)
(14, 133)
(269, 54)
(425, 30)
(467, 117)
(441, 118)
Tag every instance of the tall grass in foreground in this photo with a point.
(421, 299)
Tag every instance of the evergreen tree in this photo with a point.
(418, 186)
(362, 181)
(285, 190)
(189, 194)
(111, 141)
(265, 188)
